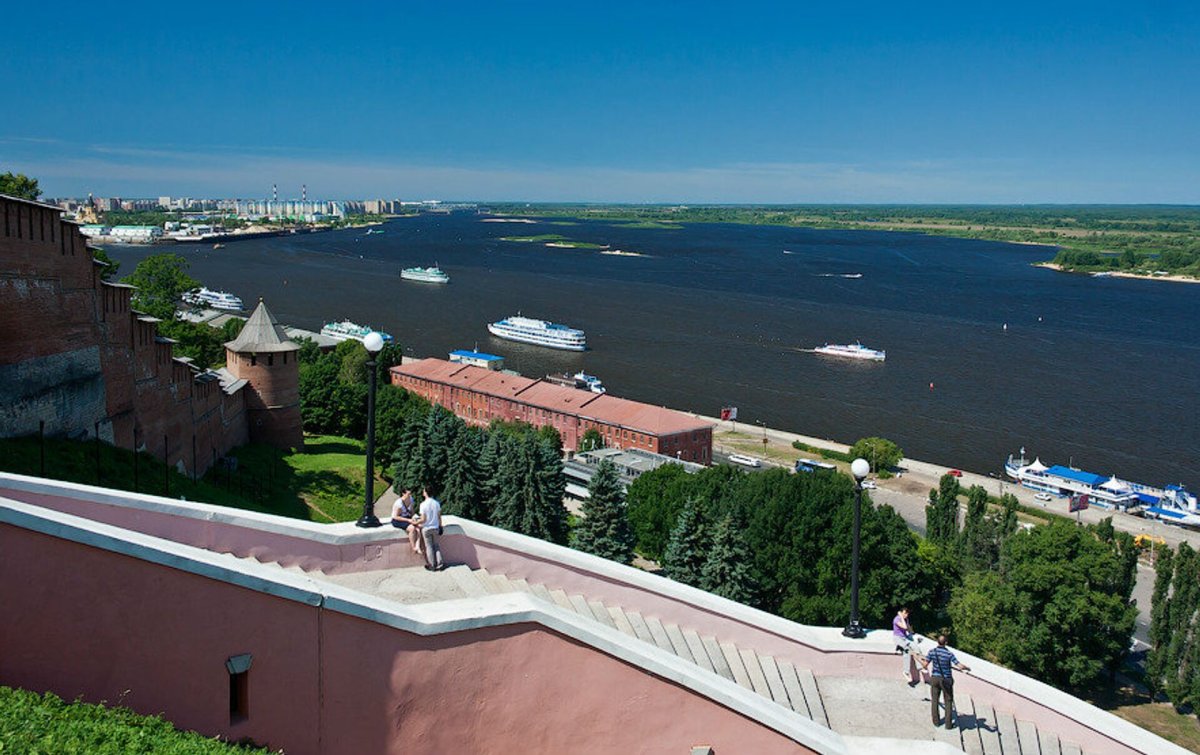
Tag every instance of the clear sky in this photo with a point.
(638, 102)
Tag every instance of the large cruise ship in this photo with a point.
(539, 333)
(203, 297)
(851, 350)
(1171, 503)
(424, 275)
(347, 330)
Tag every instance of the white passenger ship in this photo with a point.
(347, 330)
(539, 333)
(1171, 503)
(203, 297)
(424, 275)
(851, 350)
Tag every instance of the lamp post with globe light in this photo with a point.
(859, 468)
(374, 343)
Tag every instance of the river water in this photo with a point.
(1099, 372)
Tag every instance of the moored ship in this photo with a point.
(851, 351)
(539, 333)
(347, 330)
(1171, 503)
(204, 297)
(580, 380)
(425, 275)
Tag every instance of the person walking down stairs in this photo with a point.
(942, 663)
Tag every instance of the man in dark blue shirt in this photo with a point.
(940, 663)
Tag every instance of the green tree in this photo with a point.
(979, 542)
(881, 453)
(160, 280)
(1059, 597)
(462, 494)
(1160, 621)
(727, 570)
(688, 547)
(654, 501)
(408, 463)
(941, 515)
(529, 490)
(19, 185)
(591, 440)
(604, 530)
(109, 271)
(441, 430)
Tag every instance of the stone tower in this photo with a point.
(268, 361)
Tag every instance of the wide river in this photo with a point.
(1098, 372)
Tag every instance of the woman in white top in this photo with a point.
(404, 516)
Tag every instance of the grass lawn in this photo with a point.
(32, 723)
(324, 482)
(1131, 702)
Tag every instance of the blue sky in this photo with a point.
(637, 102)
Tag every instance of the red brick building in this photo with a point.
(478, 396)
(77, 360)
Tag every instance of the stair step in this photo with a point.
(503, 584)
(812, 695)
(560, 599)
(541, 591)
(988, 728)
(968, 724)
(467, 581)
(640, 630)
(736, 666)
(1049, 743)
(659, 634)
(791, 682)
(1070, 748)
(699, 654)
(485, 577)
(579, 605)
(521, 585)
(754, 669)
(1027, 733)
(678, 644)
(1008, 733)
(717, 657)
(952, 737)
(601, 614)
(621, 621)
(774, 681)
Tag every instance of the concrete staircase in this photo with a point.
(849, 705)
(853, 706)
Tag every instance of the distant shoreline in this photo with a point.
(1118, 274)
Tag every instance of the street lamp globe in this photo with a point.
(374, 342)
(860, 469)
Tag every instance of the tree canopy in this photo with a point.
(604, 529)
(160, 280)
(19, 185)
(881, 453)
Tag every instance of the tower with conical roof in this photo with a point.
(268, 361)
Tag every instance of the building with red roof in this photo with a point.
(479, 396)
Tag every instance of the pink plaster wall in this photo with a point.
(81, 621)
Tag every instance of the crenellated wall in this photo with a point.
(76, 356)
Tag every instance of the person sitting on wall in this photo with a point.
(404, 516)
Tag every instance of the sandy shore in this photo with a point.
(1119, 274)
(508, 220)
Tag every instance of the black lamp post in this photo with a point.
(373, 342)
(859, 468)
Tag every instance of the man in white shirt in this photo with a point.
(431, 530)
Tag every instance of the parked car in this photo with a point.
(1043, 496)
(745, 461)
(869, 485)
(955, 473)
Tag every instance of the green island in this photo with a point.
(553, 239)
(1153, 241)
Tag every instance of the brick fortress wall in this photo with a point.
(74, 354)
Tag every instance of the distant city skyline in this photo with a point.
(1059, 103)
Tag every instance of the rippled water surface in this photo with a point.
(1101, 372)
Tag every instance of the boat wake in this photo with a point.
(838, 275)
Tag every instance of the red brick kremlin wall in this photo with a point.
(74, 355)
